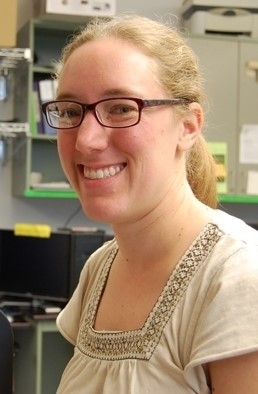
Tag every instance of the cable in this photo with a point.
(69, 219)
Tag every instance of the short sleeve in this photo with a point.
(68, 320)
(228, 323)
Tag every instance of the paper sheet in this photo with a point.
(252, 182)
(248, 152)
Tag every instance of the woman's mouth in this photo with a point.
(102, 173)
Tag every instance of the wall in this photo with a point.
(53, 211)
(57, 212)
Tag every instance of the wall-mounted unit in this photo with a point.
(73, 10)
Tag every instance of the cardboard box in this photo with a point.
(73, 10)
(8, 23)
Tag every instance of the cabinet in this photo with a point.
(41, 356)
(37, 152)
(233, 91)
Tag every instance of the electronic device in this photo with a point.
(196, 5)
(233, 17)
(47, 269)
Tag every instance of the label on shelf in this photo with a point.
(13, 127)
(9, 57)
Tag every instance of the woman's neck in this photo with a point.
(163, 235)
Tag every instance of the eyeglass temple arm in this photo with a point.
(175, 101)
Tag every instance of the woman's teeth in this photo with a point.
(101, 172)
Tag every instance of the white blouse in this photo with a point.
(207, 311)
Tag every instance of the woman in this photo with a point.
(170, 305)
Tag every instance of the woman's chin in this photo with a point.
(99, 212)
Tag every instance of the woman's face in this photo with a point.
(140, 165)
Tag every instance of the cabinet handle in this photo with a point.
(252, 66)
(3, 87)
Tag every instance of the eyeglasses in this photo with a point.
(112, 112)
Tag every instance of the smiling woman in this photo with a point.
(170, 303)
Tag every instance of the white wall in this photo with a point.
(54, 211)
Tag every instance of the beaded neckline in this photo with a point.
(141, 343)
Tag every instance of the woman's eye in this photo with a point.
(122, 110)
(69, 113)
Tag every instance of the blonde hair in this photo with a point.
(176, 66)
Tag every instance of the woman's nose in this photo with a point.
(91, 134)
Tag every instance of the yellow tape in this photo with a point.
(32, 230)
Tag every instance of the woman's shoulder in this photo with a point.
(234, 228)
(100, 255)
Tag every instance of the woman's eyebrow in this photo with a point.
(106, 94)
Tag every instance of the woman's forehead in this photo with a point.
(111, 63)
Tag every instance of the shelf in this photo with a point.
(224, 198)
(242, 199)
(49, 193)
(44, 137)
(37, 152)
(43, 70)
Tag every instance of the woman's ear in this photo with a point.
(192, 124)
